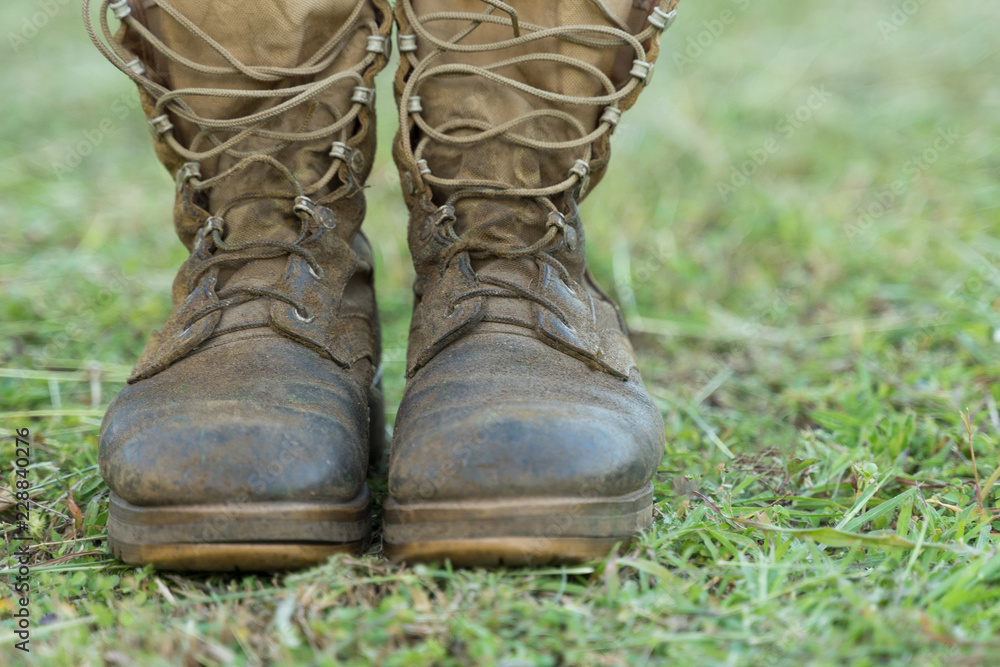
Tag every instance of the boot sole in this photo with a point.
(248, 537)
(523, 531)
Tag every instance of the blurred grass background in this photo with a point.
(800, 222)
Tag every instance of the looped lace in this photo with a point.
(610, 37)
(209, 142)
(540, 251)
(216, 137)
(466, 134)
(240, 253)
(477, 249)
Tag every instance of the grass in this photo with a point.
(814, 334)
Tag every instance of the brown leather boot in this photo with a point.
(243, 437)
(525, 433)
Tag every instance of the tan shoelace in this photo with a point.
(476, 132)
(595, 36)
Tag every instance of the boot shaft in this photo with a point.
(496, 100)
(266, 118)
(245, 104)
(506, 115)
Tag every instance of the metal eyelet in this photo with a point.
(161, 125)
(120, 8)
(301, 318)
(136, 66)
(423, 167)
(188, 171)
(444, 213)
(184, 333)
(581, 169)
(558, 220)
(340, 151)
(642, 70)
(662, 20)
(407, 43)
(214, 224)
(611, 116)
(363, 95)
(378, 44)
(414, 105)
(353, 158)
(304, 206)
(317, 276)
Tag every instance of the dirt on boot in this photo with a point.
(525, 433)
(244, 435)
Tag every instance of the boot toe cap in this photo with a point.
(273, 422)
(475, 423)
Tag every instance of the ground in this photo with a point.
(800, 223)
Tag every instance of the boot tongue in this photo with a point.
(504, 223)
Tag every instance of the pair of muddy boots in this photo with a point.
(250, 423)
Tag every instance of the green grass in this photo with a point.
(832, 353)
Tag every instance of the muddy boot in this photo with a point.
(244, 434)
(525, 433)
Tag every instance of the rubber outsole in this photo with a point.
(523, 531)
(264, 536)
(235, 557)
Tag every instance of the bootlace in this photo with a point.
(216, 137)
(242, 253)
(468, 133)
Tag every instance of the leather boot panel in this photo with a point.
(260, 419)
(522, 394)
(496, 415)
(258, 389)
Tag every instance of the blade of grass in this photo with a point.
(880, 510)
(860, 503)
